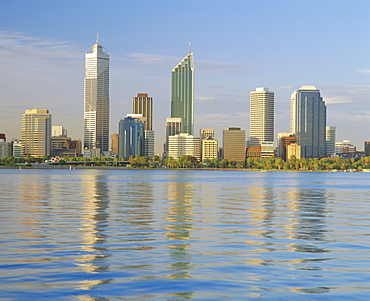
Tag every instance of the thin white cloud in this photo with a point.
(364, 70)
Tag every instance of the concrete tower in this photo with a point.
(96, 98)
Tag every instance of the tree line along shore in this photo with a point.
(271, 163)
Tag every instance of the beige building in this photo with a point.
(183, 144)
(209, 148)
(36, 133)
(293, 150)
(114, 143)
(234, 144)
(143, 104)
(206, 133)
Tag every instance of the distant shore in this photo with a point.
(68, 167)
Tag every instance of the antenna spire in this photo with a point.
(189, 44)
(97, 38)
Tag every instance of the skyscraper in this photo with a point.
(261, 116)
(36, 133)
(143, 104)
(96, 98)
(308, 121)
(182, 93)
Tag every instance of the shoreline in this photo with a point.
(68, 167)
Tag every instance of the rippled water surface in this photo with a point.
(183, 235)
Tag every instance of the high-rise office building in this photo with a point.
(36, 133)
(261, 117)
(131, 138)
(330, 141)
(182, 93)
(234, 147)
(308, 121)
(96, 98)
(143, 104)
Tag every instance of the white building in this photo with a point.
(96, 98)
(183, 144)
(17, 148)
(92, 153)
(261, 128)
(149, 144)
(58, 130)
(267, 149)
(209, 148)
(330, 141)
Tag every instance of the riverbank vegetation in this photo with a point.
(272, 163)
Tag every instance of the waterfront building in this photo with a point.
(182, 93)
(285, 139)
(267, 149)
(344, 147)
(77, 145)
(131, 138)
(330, 140)
(92, 153)
(173, 127)
(234, 144)
(96, 98)
(143, 104)
(5, 148)
(308, 121)
(149, 143)
(36, 133)
(58, 130)
(293, 150)
(254, 152)
(114, 143)
(367, 148)
(60, 142)
(17, 148)
(209, 148)
(261, 117)
(183, 144)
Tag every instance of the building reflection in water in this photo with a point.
(179, 226)
(308, 219)
(34, 207)
(94, 220)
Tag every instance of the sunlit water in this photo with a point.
(184, 235)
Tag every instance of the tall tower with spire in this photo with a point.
(182, 93)
(96, 97)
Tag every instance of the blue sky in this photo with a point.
(237, 45)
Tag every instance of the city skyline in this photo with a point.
(42, 61)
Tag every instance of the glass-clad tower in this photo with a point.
(96, 98)
(308, 121)
(182, 97)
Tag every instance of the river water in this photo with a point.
(183, 235)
